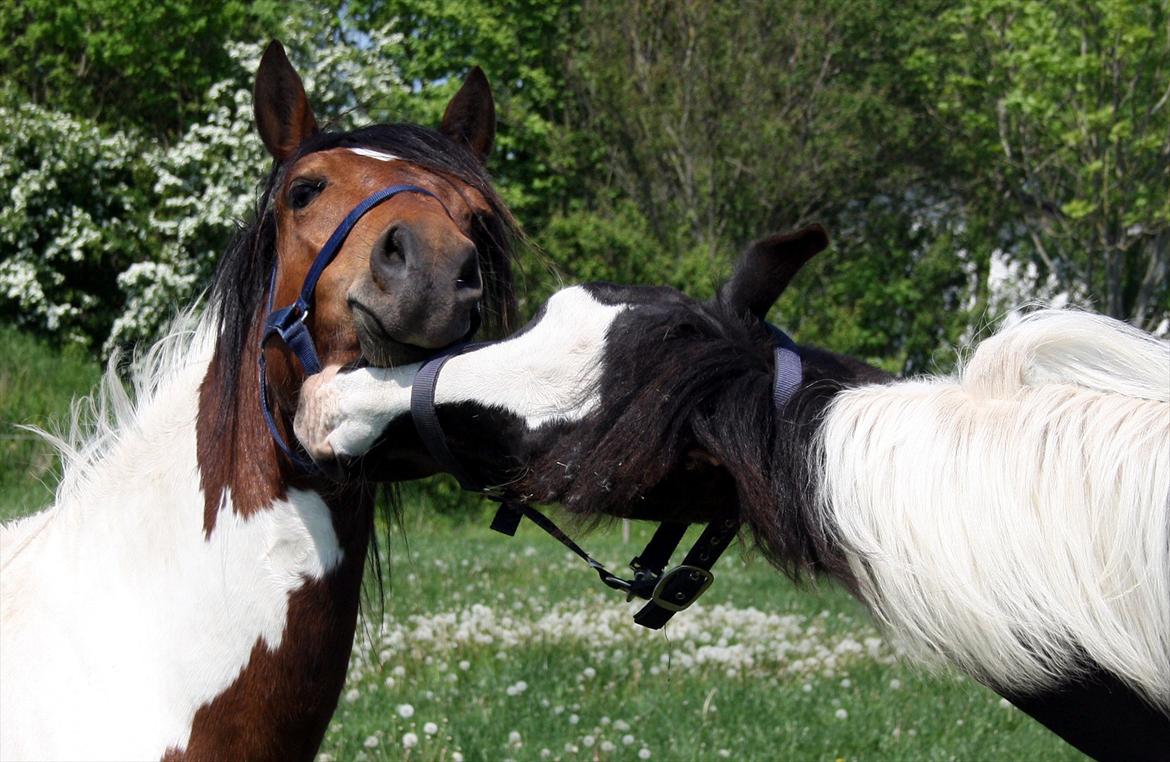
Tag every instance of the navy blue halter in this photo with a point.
(289, 322)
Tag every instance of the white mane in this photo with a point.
(121, 616)
(1017, 514)
(99, 421)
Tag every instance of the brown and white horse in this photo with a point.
(1012, 520)
(192, 593)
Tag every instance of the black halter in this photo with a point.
(289, 322)
(666, 591)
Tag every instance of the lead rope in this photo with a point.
(667, 592)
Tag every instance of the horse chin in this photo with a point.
(387, 353)
(382, 349)
(379, 348)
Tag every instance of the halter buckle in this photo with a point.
(287, 321)
(681, 586)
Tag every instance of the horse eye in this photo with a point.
(302, 193)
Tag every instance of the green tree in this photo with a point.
(1059, 139)
(522, 45)
(143, 63)
(726, 120)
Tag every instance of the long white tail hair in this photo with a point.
(1014, 518)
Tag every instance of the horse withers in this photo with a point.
(1012, 520)
(193, 591)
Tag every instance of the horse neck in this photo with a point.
(282, 701)
(212, 597)
(784, 512)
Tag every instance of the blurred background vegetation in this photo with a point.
(966, 156)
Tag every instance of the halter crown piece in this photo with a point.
(289, 322)
(666, 592)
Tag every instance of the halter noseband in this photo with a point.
(666, 592)
(289, 322)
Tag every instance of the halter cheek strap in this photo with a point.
(288, 323)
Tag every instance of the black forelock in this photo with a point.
(240, 283)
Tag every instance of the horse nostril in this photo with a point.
(468, 277)
(389, 256)
(392, 246)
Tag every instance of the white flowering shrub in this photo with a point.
(105, 236)
(70, 220)
(204, 187)
(207, 183)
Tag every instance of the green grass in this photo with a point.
(486, 636)
(37, 383)
(721, 680)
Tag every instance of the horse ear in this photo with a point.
(470, 118)
(764, 271)
(283, 115)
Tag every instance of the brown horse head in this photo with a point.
(416, 273)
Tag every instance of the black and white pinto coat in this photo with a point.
(1011, 520)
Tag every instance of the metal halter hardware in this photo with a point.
(289, 322)
(666, 592)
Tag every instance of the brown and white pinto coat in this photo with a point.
(191, 594)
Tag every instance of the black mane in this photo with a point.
(682, 375)
(240, 283)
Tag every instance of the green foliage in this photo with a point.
(1024, 146)
(72, 220)
(895, 299)
(142, 63)
(521, 45)
(722, 123)
(37, 383)
(1060, 109)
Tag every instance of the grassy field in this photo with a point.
(489, 648)
(36, 386)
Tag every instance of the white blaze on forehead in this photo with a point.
(549, 373)
(370, 153)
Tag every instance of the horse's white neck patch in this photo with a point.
(120, 620)
(549, 373)
(370, 153)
